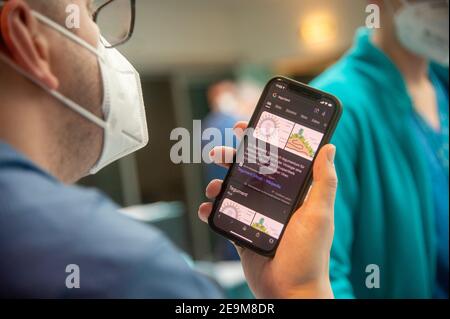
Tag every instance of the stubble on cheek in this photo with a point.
(81, 81)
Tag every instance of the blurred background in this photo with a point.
(208, 60)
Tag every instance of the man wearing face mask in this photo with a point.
(392, 209)
(70, 104)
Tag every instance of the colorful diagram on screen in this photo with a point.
(268, 126)
(267, 225)
(304, 142)
(260, 225)
(249, 217)
(237, 211)
(273, 129)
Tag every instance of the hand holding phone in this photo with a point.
(271, 172)
(299, 268)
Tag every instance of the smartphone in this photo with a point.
(271, 172)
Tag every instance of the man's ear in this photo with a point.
(23, 43)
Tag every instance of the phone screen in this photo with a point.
(264, 186)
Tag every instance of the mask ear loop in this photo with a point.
(4, 27)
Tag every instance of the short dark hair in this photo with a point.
(54, 9)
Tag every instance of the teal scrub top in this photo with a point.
(385, 208)
(435, 145)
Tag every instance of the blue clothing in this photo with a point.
(220, 121)
(435, 146)
(385, 210)
(45, 226)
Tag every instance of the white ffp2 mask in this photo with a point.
(124, 123)
(422, 28)
(123, 108)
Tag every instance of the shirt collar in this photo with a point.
(383, 70)
(376, 65)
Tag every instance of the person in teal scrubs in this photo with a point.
(392, 214)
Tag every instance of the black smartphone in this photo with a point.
(272, 170)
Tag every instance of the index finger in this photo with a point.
(239, 129)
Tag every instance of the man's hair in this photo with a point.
(53, 8)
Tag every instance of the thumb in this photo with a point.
(323, 190)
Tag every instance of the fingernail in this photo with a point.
(331, 154)
(215, 157)
(237, 131)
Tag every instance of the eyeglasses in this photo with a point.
(115, 19)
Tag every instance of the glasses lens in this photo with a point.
(114, 19)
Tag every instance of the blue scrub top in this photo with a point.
(46, 226)
(435, 146)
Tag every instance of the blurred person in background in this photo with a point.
(392, 206)
(229, 102)
(71, 104)
(224, 104)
